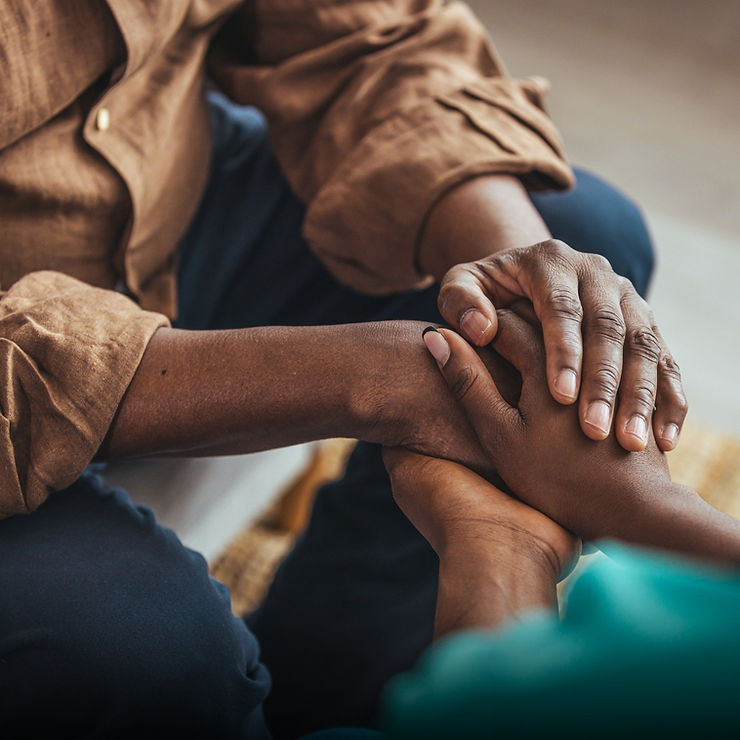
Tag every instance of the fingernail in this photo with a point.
(474, 324)
(669, 433)
(637, 427)
(597, 416)
(437, 345)
(565, 383)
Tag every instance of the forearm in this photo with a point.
(230, 392)
(477, 218)
(484, 585)
(676, 518)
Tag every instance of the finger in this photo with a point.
(553, 290)
(603, 339)
(473, 387)
(465, 304)
(671, 406)
(639, 380)
(523, 307)
(520, 344)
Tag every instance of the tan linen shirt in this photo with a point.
(376, 108)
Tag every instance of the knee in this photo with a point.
(118, 628)
(629, 244)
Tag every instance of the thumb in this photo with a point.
(472, 386)
(465, 305)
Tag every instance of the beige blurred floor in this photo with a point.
(647, 94)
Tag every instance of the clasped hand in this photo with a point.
(535, 444)
(602, 345)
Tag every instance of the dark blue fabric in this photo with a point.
(109, 623)
(595, 217)
(110, 628)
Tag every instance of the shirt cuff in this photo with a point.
(68, 352)
(365, 221)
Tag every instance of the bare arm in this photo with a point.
(228, 392)
(498, 557)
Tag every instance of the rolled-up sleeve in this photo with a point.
(376, 109)
(67, 355)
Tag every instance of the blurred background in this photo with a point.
(646, 93)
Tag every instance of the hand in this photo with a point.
(595, 489)
(600, 337)
(450, 505)
(403, 401)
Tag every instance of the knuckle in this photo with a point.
(566, 349)
(551, 255)
(449, 295)
(626, 286)
(557, 247)
(642, 396)
(505, 262)
(608, 323)
(563, 304)
(463, 382)
(599, 263)
(643, 343)
(604, 380)
(669, 368)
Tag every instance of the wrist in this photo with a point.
(382, 400)
(475, 219)
(675, 518)
(508, 550)
(487, 585)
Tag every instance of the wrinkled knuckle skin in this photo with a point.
(502, 262)
(676, 399)
(642, 397)
(551, 255)
(669, 367)
(609, 324)
(463, 381)
(567, 349)
(563, 304)
(605, 381)
(643, 343)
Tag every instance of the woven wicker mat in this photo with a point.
(706, 460)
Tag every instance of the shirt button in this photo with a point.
(102, 119)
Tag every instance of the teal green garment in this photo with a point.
(648, 646)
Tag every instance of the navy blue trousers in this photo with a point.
(109, 625)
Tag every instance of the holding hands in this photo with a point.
(601, 342)
(592, 488)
